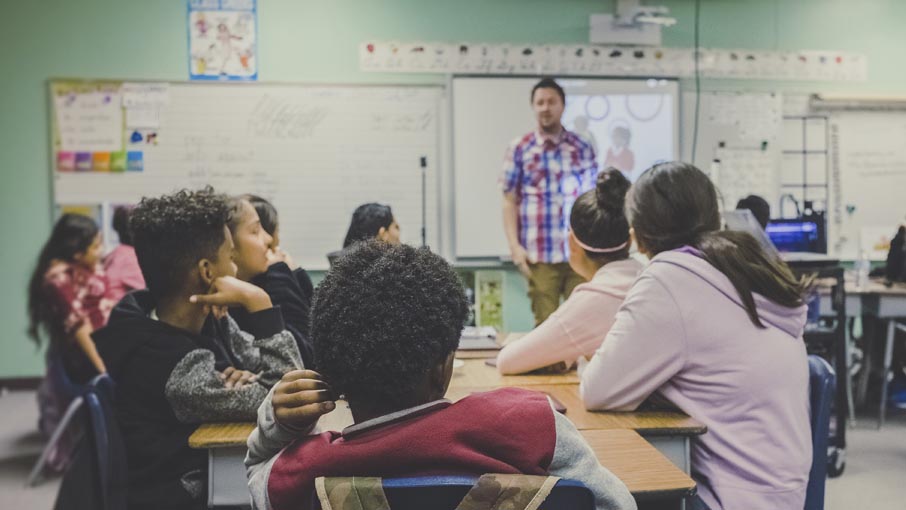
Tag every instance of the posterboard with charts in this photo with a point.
(317, 152)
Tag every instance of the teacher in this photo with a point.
(544, 172)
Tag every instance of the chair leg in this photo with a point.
(35, 476)
(848, 380)
(885, 375)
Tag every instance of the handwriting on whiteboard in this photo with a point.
(278, 118)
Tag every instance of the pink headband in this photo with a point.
(599, 250)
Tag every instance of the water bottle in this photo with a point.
(863, 267)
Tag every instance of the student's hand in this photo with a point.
(300, 398)
(229, 291)
(521, 260)
(276, 255)
(234, 378)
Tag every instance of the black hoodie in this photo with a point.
(291, 290)
(167, 384)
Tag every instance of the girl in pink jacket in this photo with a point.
(713, 324)
(599, 252)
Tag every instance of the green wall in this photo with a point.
(307, 41)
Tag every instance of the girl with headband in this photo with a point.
(599, 251)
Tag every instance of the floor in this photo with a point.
(875, 475)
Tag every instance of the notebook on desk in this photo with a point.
(478, 339)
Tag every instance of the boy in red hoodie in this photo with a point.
(386, 323)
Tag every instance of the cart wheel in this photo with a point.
(836, 462)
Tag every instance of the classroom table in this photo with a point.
(888, 304)
(648, 474)
(476, 373)
(502, 339)
(671, 432)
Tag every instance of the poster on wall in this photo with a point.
(223, 39)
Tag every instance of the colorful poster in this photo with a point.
(223, 39)
(89, 117)
(489, 299)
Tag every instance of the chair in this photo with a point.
(446, 492)
(64, 387)
(109, 454)
(822, 384)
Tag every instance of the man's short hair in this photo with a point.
(759, 207)
(173, 232)
(382, 318)
(548, 83)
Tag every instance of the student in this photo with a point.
(121, 264)
(385, 324)
(369, 221)
(169, 376)
(599, 252)
(267, 213)
(714, 325)
(67, 300)
(259, 264)
(759, 207)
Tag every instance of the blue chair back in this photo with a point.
(822, 384)
(109, 453)
(446, 492)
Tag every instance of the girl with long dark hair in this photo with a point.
(67, 301)
(713, 324)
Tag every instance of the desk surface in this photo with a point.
(502, 339)
(874, 286)
(647, 423)
(643, 469)
(627, 455)
(476, 374)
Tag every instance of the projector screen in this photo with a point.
(632, 124)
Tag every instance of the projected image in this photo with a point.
(629, 132)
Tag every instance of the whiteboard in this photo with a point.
(738, 142)
(316, 152)
(868, 180)
(489, 113)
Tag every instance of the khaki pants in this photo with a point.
(547, 284)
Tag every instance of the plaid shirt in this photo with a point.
(547, 174)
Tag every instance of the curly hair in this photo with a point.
(173, 232)
(382, 318)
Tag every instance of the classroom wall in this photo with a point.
(308, 41)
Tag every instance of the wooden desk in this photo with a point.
(647, 473)
(887, 304)
(671, 432)
(633, 460)
(502, 339)
(476, 374)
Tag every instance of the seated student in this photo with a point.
(259, 264)
(270, 222)
(67, 300)
(714, 325)
(759, 207)
(369, 221)
(385, 324)
(599, 252)
(169, 377)
(121, 264)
